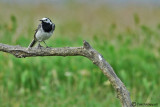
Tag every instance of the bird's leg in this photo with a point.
(45, 44)
(39, 45)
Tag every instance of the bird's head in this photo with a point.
(46, 20)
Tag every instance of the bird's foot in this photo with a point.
(39, 46)
(29, 48)
(47, 47)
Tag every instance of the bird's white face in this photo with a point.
(46, 20)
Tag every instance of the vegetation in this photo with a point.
(132, 49)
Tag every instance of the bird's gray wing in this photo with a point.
(39, 26)
(34, 40)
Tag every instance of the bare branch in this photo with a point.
(87, 51)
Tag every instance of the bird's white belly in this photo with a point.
(42, 36)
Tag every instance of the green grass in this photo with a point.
(75, 81)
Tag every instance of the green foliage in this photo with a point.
(136, 19)
(75, 81)
(14, 23)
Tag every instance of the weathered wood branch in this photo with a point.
(87, 51)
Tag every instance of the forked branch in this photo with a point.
(87, 51)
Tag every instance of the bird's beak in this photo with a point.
(40, 20)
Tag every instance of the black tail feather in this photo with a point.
(32, 43)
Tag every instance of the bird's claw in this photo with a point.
(29, 48)
(39, 46)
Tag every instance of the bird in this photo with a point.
(43, 32)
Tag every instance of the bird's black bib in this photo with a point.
(47, 27)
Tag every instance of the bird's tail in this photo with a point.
(32, 43)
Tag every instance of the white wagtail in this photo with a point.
(43, 32)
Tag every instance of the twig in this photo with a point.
(87, 51)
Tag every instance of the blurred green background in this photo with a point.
(128, 36)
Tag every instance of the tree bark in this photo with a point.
(87, 51)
